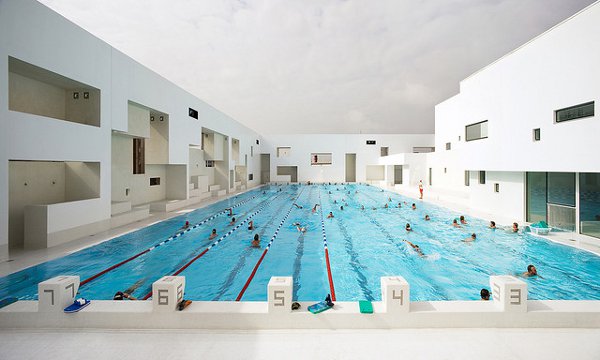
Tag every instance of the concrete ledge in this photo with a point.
(119, 207)
(136, 214)
(167, 205)
(106, 314)
(212, 188)
(218, 193)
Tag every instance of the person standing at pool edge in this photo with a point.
(421, 189)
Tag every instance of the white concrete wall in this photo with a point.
(339, 145)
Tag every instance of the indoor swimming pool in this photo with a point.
(362, 246)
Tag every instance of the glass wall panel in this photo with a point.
(589, 204)
(536, 196)
(561, 189)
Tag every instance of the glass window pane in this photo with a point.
(536, 196)
(589, 204)
(561, 188)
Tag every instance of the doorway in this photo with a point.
(350, 167)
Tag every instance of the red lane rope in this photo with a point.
(331, 287)
(112, 268)
(161, 243)
(239, 297)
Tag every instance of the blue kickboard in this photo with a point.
(8, 301)
(319, 307)
(76, 306)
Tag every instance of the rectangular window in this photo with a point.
(371, 142)
(210, 163)
(384, 150)
(536, 134)
(139, 161)
(423, 149)
(482, 177)
(154, 181)
(467, 178)
(320, 159)
(283, 151)
(574, 112)
(430, 176)
(589, 204)
(193, 113)
(250, 177)
(476, 131)
(251, 151)
(448, 146)
(445, 170)
(496, 187)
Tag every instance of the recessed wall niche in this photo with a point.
(35, 90)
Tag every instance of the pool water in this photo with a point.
(363, 246)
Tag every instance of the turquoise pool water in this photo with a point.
(363, 245)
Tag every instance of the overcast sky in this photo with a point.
(327, 66)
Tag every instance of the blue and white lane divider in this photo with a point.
(161, 243)
(330, 277)
(239, 297)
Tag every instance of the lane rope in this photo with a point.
(331, 287)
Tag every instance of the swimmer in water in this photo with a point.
(531, 272)
(414, 206)
(213, 234)
(492, 224)
(232, 221)
(297, 206)
(485, 294)
(230, 212)
(256, 241)
(515, 227)
(330, 215)
(299, 227)
(385, 206)
(455, 223)
(251, 225)
(399, 206)
(415, 247)
(362, 207)
(427, 218)
(314, 209)
(185, 226)
(462, 220)
(470, 238)
(408, 228)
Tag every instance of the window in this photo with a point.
(458, 137)
(257, 142)
(283, 151)
(497, 187)
(154, 181)
(482, 177)
(251, 151)
(320, 159)
(430, 176)
(371, 142)
(193, 113)
(210, 163)
(384, 150)
(476, 131)
(536, 134)
(139, 162)
(448, 146)
(445, 170)
(250, 177)
(423, 149)
(467, 178)
(574, 112)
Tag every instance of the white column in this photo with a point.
(167, 292)
(509, 293)
(279, 295)
(57, 293)
(395, 294)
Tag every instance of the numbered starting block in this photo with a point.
(395, 294)
(167, 293)
(509, 293)
(280, 294)
(57, 293)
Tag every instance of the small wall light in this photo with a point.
(76, 95)
(152, 118)
(162, 118)
(86, 95)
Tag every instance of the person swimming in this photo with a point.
(256, 241)
(399, 206)
(230, 212)
(470, 238)
(492, 224)
(297, 206)
(415, 247)
(427, 218)
(385, 206)
(342, 207)
(362, 207)
(314, 209)
(251, 225)
(455, 223)
(407, 227)
(299, 227)
(462, 220)
(213, 234)
(330, 215)
(531, 272)
(126, 294)
(485, 294)
(232, 221)
(414, 206)
(185, 226)
(515, 227)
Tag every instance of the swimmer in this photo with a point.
(342, 207)
(335, 201)
(492, 224)
(330, 215)
(399, 206)
(462, 220)
(414, 206)
(230, 212)
(531, 272)
(251, 225)
(408, 228)
(470, 238)
(455, 223)
(515, 227)
(314, 209)
(385, 206)
(329, 192)
(362, 207)
(232, 221)
(213, 234)
(120, 295)
(185, 226)
(297, 206)
(256, 241)
(299, 227)
(389, 199)
(485, 294)
(427, 218)
(415, 247)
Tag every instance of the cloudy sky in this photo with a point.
(327, 66)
